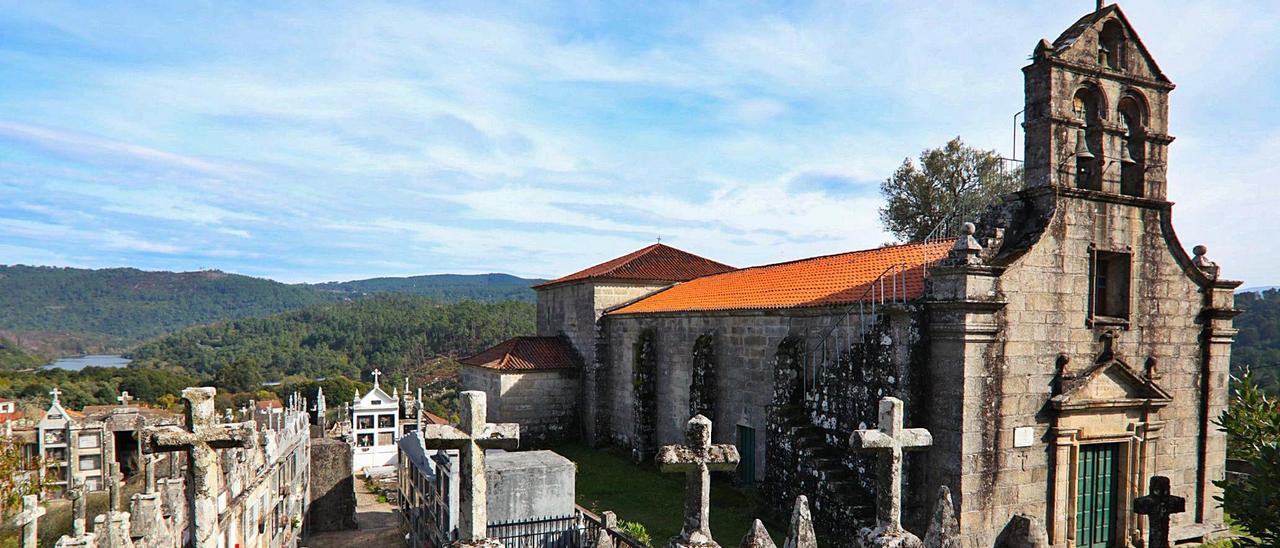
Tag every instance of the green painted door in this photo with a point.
(747, 452)
(1098, 472)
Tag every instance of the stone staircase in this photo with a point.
(836, 484)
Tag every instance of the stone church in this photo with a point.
(1062, 349)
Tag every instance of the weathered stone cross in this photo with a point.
(697, 458)
(124, 398)
(114, 479)
(29, 519)
(890, 439)
(55, 393)
(471, 440)
(201, 439)
(151, 473)
(78, 517)
(1158, 505)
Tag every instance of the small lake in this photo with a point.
(76, 364)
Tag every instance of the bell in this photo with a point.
(1082, 148)
(1125, 157)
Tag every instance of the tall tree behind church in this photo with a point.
(951, 185)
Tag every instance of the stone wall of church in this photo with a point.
(745, 345)
(808, 440)
(572, 309)
(787, 460)
(991, 383)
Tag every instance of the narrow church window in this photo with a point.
(1109, 291)
(747, 452)
(1133, 151)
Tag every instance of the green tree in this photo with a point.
(242, 376)
(950, 183)
(1252, 424)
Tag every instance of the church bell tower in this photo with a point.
(1097, 110)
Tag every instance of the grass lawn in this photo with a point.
(607, 480)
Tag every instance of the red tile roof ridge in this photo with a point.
(677, 265)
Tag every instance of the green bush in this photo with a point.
(637, 531)
(1252, 424)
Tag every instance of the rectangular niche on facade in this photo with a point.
(1109, 274)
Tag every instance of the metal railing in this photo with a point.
(557, 532)
(887, 288)
(580, 530)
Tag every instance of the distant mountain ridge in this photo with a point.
(128, 305)
(448, 287)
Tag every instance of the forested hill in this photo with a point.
(134, 305)
(394, 333)
(1258, 343)
(443, 287)
(53, 311)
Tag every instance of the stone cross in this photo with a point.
(1158, 505)
(114, 479)
(201, 439)
(376, 373)
(29, 519)
(55, 393)
(697, 458)
(151, 473)
(78, 510)
(471, 440)
(890, 439)
(124, 398)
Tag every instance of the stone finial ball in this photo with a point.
(968, 229)
(1199, 250)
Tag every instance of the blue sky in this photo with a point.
(315, 141)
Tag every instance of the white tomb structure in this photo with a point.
(375, 427)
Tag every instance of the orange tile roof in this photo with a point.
(654, 263)
(432, 418)
(819, 281)
(526, 353)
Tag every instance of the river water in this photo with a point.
(76, 364)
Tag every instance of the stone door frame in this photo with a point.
(1136, 459)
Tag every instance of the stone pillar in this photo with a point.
(964, 307)
(1218, 334)
(1063, 484)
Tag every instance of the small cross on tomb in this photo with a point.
(697, 458)
(1158, 505)
(201, 438)
(471, 440)
(55, 393)
(29, 520)
(889, 440)
(376, 373)
(124, 398)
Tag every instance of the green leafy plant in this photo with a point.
(636, 531)
(1252, 424)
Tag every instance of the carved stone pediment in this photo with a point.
(1109, 384)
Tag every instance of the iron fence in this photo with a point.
(557, 532)
(580, 530)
